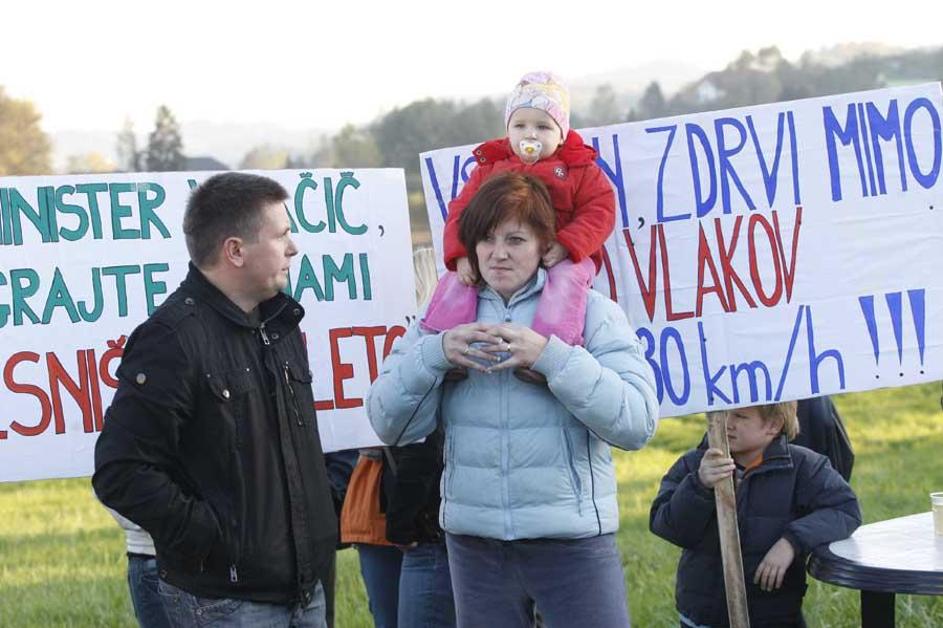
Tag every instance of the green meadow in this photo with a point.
(62, 556)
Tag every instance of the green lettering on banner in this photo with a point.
(63, 207)
(345, 273)
(120, 274)
(365, 277)
(147, 206)
(19, 206)
(5, 210)
(154, 287)
(347, 180)
(21, 293)
(59, 297)
(91, 191)
(90, 316)
(329, 202)
(4, 308)
(119, 211)
(46, 197)
(307, 280)
(306, 183)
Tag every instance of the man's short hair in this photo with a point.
(506, 197)
(226, 205)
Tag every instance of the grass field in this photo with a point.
(62, 563)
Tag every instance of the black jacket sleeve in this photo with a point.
(137, 464)
(831, 507)
(683, 509)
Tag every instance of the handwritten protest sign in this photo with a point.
(773, 252)
(85, 259)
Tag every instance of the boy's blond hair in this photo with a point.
(784, 410)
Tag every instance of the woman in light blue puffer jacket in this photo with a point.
(529, 489)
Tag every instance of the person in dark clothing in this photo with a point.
(821, 429)
(789, 500)
(211, 443)
(410, 498)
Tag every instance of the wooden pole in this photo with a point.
(726, 501)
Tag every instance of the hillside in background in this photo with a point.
(395, 138)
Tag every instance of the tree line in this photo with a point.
(396, 138)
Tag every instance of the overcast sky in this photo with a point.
(88, 65)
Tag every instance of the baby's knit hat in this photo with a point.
(544, 91)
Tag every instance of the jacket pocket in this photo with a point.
(231, 390)
(575, 483)
(298, 388)
(226, 551)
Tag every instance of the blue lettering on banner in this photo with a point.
(865, 126)
(714, 173)
(460, 172)
(727, 171)
(614, 175)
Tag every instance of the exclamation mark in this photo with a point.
(867, 309)
(893, 306)
(918, 309)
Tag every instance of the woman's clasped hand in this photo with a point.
(489, 347)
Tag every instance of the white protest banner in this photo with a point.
(85, 259)
(772, 252)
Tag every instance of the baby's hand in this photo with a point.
(714, 468)
(769, 575)
(555, 254)
(466, 273)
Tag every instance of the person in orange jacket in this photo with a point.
(540, 143)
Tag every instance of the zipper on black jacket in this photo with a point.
(233, 574)
(291, 393)
(264, 336)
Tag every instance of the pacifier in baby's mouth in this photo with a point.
(530, 150)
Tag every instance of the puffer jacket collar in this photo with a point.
(573, 152)
(533, 286)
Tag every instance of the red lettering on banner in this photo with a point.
(84, 385)
(342, 370)
(721, 276)
(649, 290)
(77, 389)
(369, 335)
(789, 270)
(769, 300)
(704, 259)
(726, 265)
(94, 386)
(670, 314)
(27, 389)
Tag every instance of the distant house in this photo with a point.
(203, 163)
(707, 92)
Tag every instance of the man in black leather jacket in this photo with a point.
(211, 443)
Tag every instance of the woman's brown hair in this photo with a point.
(504, 197)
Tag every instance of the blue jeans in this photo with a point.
(425, 588)
(574, 582)
(142, 583)
(380, 568)
(189, 611)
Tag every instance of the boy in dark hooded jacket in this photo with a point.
(789, 500)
